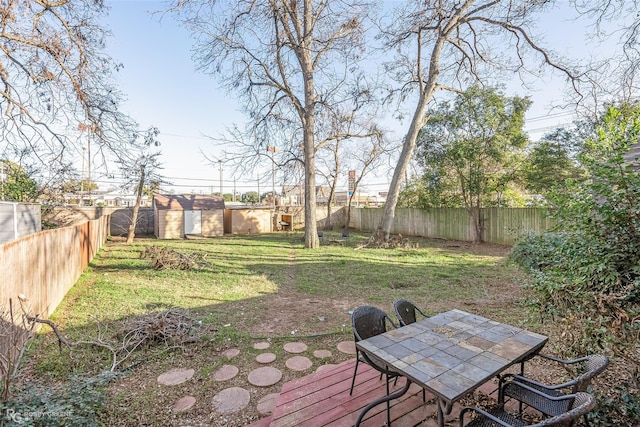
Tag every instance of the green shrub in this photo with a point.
(586, 273)
(74, 403)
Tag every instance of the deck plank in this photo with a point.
(322, 399)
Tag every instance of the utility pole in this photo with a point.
(234, 189)
(89, 163)
(1, 179)
(88, 128)
(273, 150)
(259, 201)
(221, 194)
(84, 149)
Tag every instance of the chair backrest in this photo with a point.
(368, 321)
(593, 365)
(583, 403)
(405, 311)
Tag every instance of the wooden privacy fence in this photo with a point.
(45, 265)
(501, 225)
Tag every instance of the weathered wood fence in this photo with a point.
(45, 265)
(501, 225)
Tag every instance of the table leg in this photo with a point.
(382, 400)
(441, 412)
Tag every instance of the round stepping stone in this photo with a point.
(347, 347)
(226, 372)
(295, 347)
(265, 358)
(231, 400)
(298, 363)
(264, 377)
(321, 354)
(325, 367)
(184, 404)
(175, 376)
(261, 345)
(267, 404)
(231, 353)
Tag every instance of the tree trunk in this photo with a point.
(427, 90)
(327, 223)
(332, 190)
(476, 215)
(347, 219)
(309, 123)
(310, 227)
(408, 147)
(134, 216)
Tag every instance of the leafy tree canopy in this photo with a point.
(470, 151)
(16, 184)
(74, 185)
(470, 147)
(552, 161)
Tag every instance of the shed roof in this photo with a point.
(187, 202)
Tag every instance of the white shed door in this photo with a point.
(192, 222)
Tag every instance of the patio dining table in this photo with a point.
(449, 354)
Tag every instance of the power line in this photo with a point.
(203, 137)
(550, 116)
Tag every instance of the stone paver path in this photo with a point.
(184, 404)
(234, 399)
(267, 404)
(231, 353)
(231, 400)
(225, 373)
(265, 358)
(264, 377)
(347, 347)
(261, 345)
(295, 347)
(298, 363)
(175, 376)
(321, 354)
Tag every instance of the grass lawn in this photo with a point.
(257, 288)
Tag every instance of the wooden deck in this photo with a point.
(322, 399)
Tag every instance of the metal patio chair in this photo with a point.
(366, 322)
(406, 311)
(587, 368)
(578, 404)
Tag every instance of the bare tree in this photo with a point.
(364, 159)
(291, 62)
(619, 21)
(54, 77)
(351, 132)
(330, 168)
(448, 45)
(140, 168)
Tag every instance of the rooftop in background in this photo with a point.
(187, 202)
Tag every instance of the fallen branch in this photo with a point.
(163, 257)
(61, 338)
(173, 328)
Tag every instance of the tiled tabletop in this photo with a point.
(452, 353)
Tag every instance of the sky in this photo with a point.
(163, 88)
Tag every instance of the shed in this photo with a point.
(177, 216)
(18, 220)
(248, 219)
